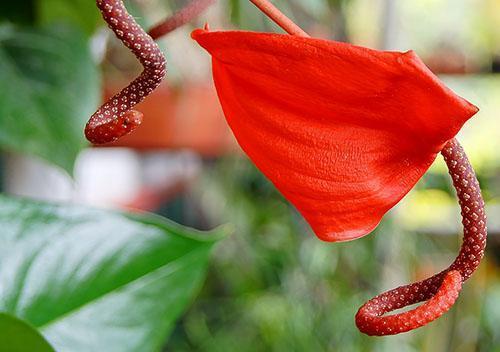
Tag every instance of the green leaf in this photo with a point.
(94, 280)
(17, 11)
(83, 13)
(17, 336)
(49, 87)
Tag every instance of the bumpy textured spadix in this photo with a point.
(115, 118)
(344, 132)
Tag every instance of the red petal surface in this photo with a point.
(344, 132)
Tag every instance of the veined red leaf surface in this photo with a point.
(344, 132)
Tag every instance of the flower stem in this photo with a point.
(279, 18)
(181, 17)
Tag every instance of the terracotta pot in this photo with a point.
(179, 118)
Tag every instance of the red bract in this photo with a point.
(344, 132)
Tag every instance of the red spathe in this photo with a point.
(344, 132)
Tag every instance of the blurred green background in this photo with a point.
(272, 285)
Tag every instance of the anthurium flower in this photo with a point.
(344, 132)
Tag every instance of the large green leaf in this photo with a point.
(17, 336)
(49, 86)
(94, 280)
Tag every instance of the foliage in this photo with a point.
(17, 336)
(83, 278)
(49, 86)
(274, 286)
(81, 13)
(88, 278)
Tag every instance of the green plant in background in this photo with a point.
(273, 287)
(75, 278)
(49, 86)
